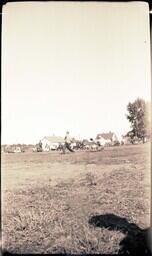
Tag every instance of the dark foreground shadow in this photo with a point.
(136, 242)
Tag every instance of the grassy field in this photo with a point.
(85, 202)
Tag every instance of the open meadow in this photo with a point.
(82, 202)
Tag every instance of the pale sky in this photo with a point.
(72, 66)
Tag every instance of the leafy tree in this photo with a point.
(139, 118)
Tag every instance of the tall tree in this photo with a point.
(139, 118)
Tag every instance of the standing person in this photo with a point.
(40, 146)
(68, 141)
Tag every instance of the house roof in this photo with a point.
(106, 136)
(54, 139)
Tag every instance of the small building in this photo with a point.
(51, 142)
(130, 139)
(85, 142)
(108, 139)
(12, 149)
(126, 140)
(17, 149)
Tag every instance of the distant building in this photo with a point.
(51, 142)
(126, 140)
(106, 138)
(17, 150)
(12, 149)
(85, 141)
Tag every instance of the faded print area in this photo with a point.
(76, 129)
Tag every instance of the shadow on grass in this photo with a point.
(136, 242)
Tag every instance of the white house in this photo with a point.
(106, 138)
(51, 142)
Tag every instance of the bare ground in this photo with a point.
(86, 202)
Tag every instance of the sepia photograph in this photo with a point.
(76, 128)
